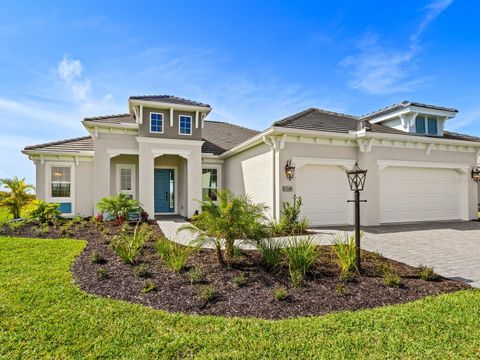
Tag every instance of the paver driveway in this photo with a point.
(452, 248)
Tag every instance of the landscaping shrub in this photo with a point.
(17, 197)
(230, 219)
(239, 280)
(280, 294)
(118, 206)
(141, 271)
(103, 274)
(15, 225)
(96, 258)
(391, 279)
(300, 255)
(196, 275)
(341, 288)
(290, 222)
(174, 255)
(345, 250)
(43, 212)
(149, 286)
(272, 253)
(426, 273)
(128, 245)
(208, 294)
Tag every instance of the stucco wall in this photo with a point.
(170, 132)
(250, 173)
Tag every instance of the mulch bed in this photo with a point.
(322, 293)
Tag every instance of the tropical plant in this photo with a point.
(141, 271)
(17, 197)
(426, 273)
(128, 245)
(231, 219)
(239, 280)
(289, 223)
(208, 293)
(196, 275)
(149, 286)
(118, 206)
(272, 252)
(300, 255)
(97, 258)
(43, 212)
(280, 294)
(174, 255)
(345, 249)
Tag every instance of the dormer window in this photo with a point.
(426, 125)
(185, 125)
(156, 123)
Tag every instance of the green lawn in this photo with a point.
(43, 314)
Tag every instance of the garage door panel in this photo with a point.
(324, 192)
(419, 194)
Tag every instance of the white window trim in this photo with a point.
(150, 123)
(48, 186)
(217, 167)
(175, 189)
(132, 192)
(191, 124)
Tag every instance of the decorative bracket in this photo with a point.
(428, 149)
(365, 145)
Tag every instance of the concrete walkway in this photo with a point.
(451, 248)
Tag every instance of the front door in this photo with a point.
(164, 191)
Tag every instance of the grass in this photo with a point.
(43, 314)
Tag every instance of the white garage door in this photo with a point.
(419, 194)
(324, 191)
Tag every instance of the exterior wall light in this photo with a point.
(289, 170)
(476, 174)
(356, 180)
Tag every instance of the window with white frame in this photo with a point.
(426, 125)
(210, 184)
(185, 125)
(156, 123)
(60, 181)
(126, 179)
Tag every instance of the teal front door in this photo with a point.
(164, 191)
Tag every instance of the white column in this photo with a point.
(145, 175)
(101, 180)
(194, 181)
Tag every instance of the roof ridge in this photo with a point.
(404, 103)
(58, 142)
(231, 124)
(174, 97)
(106, 116)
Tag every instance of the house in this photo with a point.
(165, 153)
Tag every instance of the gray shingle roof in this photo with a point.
(74, 145)
(403, 104)
(458, 136)
(113, 119)
(222, 136)
(322, 120)
(169, 99)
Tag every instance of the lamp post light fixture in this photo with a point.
(356, 180)
(476, 174)
(289, 170)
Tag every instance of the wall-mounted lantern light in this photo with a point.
(476, 174)
(289, 170)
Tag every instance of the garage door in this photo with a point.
(419, 194)
(324, 191)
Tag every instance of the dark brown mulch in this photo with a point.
(321, 294)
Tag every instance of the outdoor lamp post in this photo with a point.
(356, 180)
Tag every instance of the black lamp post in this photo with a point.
(356, 180)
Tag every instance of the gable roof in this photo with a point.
(222, 136)
(322, 120)
(402, 105)
(113, 119)
(74, 145)
(170, 99)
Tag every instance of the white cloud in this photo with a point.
(70, 71)
(378, 69)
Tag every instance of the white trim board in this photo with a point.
(302, 161)
(463, 168)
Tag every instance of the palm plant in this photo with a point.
(118, 206)
(18, 197)
(231, 219)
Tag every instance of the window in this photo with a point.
(420, 124)
(60, 181)
(126, 179)
(210, 184)
(432, 126)
(185, 125)
(156, 123)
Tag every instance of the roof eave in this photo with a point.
(166, 105)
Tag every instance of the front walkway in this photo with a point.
(451, 248)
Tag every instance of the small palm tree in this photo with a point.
(18, 197)
(232, 218)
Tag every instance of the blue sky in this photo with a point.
(254, 62)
